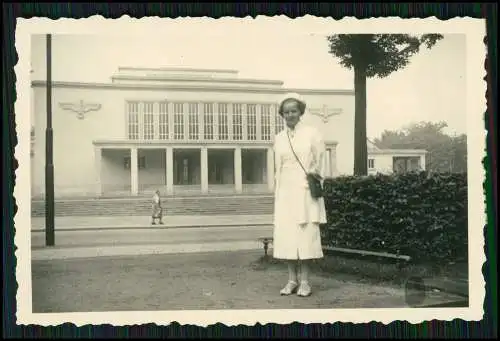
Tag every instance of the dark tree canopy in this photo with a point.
(378, 54)
(371, 55)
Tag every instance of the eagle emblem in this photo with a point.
(325, 113)
(80, 108)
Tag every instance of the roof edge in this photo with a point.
(63, 84)
(196, 79)
(176, 69)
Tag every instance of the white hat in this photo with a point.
(292, 95)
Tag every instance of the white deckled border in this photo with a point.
(476, 106)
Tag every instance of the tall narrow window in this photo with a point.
(178, 121)
(237, 122)
(223, 128)
(149, 124)
(252, 121)
(371, 163)
(266, 122)
(193, 121)
(208, 116)
(163, 121)
(133, 120)
(279, 121)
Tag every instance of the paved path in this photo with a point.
(141, 250)
(115, 242)
(135, 222)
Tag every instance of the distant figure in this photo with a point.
(157, 211)
(299, 149)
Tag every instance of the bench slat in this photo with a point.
(367, 253)
(352, 251)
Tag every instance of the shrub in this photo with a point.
(420, 215)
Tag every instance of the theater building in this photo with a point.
(182, 131)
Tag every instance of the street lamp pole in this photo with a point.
(49, 151)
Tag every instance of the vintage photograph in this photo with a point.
(239, 166)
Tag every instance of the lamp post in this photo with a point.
(49, 162)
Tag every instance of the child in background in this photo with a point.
(156, 209)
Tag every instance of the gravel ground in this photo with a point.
(215, 280)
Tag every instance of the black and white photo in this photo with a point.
(249, 170)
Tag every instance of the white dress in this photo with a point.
(296, 214)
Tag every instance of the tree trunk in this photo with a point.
(360, 141)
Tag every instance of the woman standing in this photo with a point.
(157, 210)
(298, 148)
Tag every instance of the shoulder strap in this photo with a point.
(293, 151)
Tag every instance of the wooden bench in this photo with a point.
(401, 259)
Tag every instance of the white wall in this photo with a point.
(383, 164)
(339, 128)
(384, 161)
(74, 157)
(114, 176)
(74, 170)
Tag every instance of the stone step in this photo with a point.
(175, 206)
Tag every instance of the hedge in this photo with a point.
(420, 215)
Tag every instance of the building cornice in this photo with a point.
(206, 88)
(187, 78)
(126, 143)
(179, 69)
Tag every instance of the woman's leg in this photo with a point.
(292, 284)
(292, 271)
(304, 270)
(304, 288)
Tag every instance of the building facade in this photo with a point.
(182, 131)
(389, 161)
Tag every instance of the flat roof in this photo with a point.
(171, 68)
(185, 87)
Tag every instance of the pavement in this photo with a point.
(85, 243)
(86, 237)
(90, 237)
(144, 222)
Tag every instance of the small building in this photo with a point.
(389, 161)
(183, 131)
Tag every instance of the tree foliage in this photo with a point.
(371, 55)
(445, 153)
(379, 54)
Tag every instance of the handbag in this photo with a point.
(314, 180)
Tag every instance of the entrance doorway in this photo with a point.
(220, 167)
(254, 166)
(187, 170)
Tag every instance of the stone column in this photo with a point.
(134, 171)
(333, 161)
(204, 170)
(169, 170)
(98, 170)
(270, 169)
(328, 162)
(237, 170)
(422, 162)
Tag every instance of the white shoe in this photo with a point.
(304, 289)
(289, 288)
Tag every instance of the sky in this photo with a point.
(431, 88)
